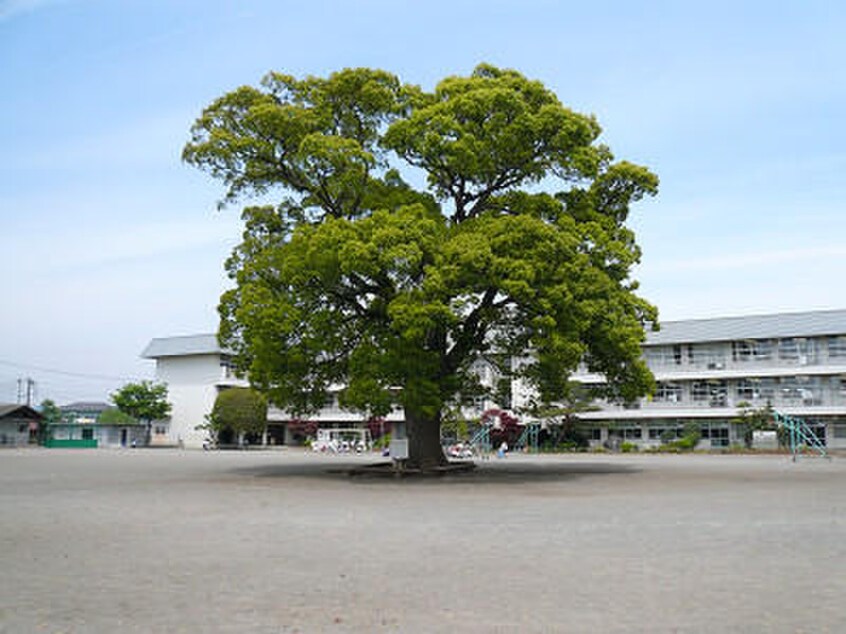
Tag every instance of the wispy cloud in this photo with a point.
(11, 8)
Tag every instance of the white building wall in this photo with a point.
(192, 388)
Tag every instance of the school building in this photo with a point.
(707, 371)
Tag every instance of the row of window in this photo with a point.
(803, 388)
(801, 349)
(717, 433)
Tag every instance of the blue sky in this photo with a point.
(109, 240)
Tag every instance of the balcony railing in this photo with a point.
(778, 398)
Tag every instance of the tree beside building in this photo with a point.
(516, 241)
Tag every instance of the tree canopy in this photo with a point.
(113, 416)
(239, 409)
(417, 231)
(145, 401)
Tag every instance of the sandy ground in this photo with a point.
(170, 541)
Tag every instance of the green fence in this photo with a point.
(76, 443)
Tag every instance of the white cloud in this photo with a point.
(11, 8)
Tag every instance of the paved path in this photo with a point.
(170, 541)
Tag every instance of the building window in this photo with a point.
(87, 433)
(741, 350)
(667, 392)
(749, 389)
(754, 389)
(787, 349)
(226, 371)
(751, 350)
(626, 433)
(837, 346)
(160, 430)
(663, 355)
(719, 436)
(790, 389)
(710, 355)
(798, 349)
(715, 392)
(665, 434)
(840, 431)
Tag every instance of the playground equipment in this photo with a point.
(343, 440)
(528, 440)
(800, 434)
(481, 440)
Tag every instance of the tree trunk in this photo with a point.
(424, 441)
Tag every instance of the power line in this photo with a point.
(78, 375)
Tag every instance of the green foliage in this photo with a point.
(688, 441)
(113, 416)
(239, 410)
(145, 401)
(629, 447)
(454, 426)
(751, 419)
(356, 278)
(50, 412)
(668, 436)
(382, 442)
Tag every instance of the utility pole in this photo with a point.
(26, 388)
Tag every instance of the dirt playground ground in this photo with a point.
(282, 542)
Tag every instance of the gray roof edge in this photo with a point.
(25, 410)
(183, 345)
(760, 326)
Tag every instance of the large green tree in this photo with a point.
(241, 411)
(417, 231)
(145, 401)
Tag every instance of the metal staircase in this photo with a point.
(799, 434)
(528, 440)
(481, 440)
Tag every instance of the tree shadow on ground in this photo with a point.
(485, 473)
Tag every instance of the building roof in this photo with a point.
(16, 410)
(86, 406)
(771, 326)
(776, 325)
(182, 346)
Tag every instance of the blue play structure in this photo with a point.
(799, 434)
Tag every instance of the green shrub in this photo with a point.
(668, 436)
(686, 443)
(628, 447)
